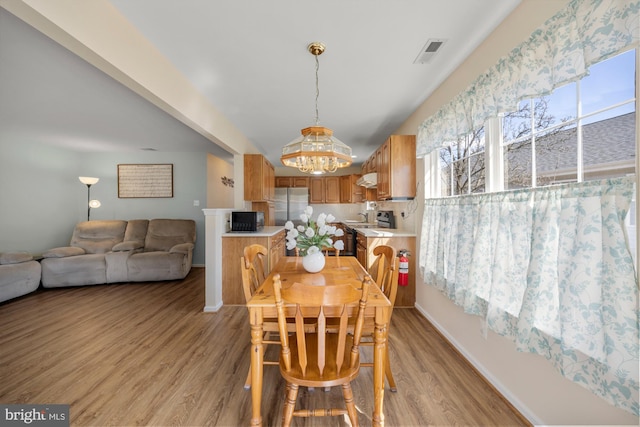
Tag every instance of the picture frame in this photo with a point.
(145, 180)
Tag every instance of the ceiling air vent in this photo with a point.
(429, 51)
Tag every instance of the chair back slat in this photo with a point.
(302, 343)
(253, 269)
(342, 342)
(322, 341)
(387, 271)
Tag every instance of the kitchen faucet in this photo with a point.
(365, 215)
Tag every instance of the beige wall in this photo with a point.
(527, 380)
(219, 195)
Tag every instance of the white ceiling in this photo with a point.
(250, 59)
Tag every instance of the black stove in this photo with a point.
(386, 219)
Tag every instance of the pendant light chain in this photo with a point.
(316, 151)
(317, 90)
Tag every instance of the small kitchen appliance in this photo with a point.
(386, 219)
(247, 220)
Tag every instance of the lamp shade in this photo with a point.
(95, 203)
(88, 180)
(316, 151)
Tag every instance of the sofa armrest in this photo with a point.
(130, 245)
(63, 252)
(15, 257)
(183, 248)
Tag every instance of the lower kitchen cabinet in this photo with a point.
(272, 238)
(406, 296)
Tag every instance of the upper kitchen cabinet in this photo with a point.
(324, 189)
(350, 192)
(259, 178)
(396, 168)
(292, 181)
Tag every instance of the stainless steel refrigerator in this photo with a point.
(290, 203)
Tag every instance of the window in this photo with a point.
(462, 165)
(582, 131)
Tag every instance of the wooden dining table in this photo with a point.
(337, 270)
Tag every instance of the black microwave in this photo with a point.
(247, 221)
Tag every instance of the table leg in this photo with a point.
(379, 353)
(257, 352)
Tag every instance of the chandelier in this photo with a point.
(316, 151)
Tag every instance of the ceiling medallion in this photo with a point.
(316, 151)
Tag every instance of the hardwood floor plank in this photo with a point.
(146, 354)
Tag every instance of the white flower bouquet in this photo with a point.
(313, 236)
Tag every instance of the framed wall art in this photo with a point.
(145, 180)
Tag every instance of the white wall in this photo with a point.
(527, 380)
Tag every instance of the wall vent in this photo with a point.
(429, 51)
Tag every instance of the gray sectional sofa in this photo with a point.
(114, 251)
(19, 275)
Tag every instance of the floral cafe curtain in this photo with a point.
(549, 268)
(560, 51)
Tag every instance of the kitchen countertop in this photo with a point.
(371, 229)
(383, 232)
(267, 231)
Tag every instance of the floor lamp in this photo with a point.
(89, 181)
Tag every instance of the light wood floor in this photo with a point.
(146, 354)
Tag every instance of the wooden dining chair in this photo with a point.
(387, 280)
(253, 267)
(322, 358)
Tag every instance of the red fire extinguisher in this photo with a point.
(403, 268)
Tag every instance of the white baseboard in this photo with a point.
(521, 407)
(197, 265)
(212, 308)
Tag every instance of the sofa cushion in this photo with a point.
(98, 237)
(15, 257)
(163, 234)
(136, 229)
(63, 252)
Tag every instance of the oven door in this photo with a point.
(349, 241)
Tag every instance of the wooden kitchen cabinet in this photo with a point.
(283, 181)
(397, 168)
(277, 248)
(324, 189)
(316, 190)
(292, 181)
(300, 181)
(332, 189)
(350, 192)
(232, 252)
(259, 178)
(361, 249)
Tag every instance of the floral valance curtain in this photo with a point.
(549, 268)
(560, 51)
